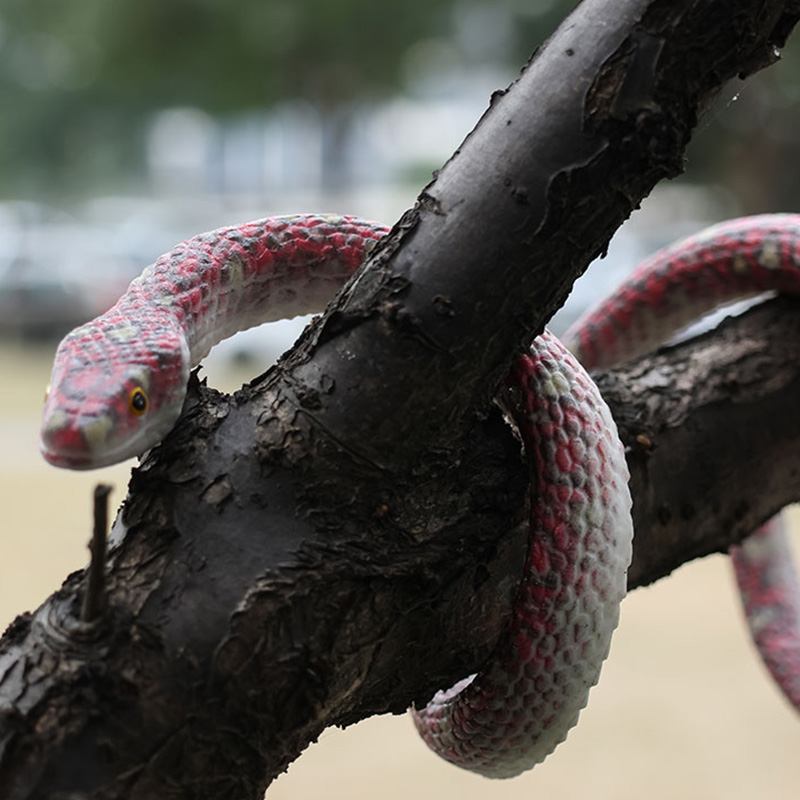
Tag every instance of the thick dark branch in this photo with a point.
(291, 556)
(714, 437)
(602, 112)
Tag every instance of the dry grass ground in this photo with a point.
(683, 710)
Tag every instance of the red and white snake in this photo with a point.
(119, 382)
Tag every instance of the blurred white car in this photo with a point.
(55, 273)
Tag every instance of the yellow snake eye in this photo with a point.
(137, 402)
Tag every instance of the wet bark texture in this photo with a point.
(344, 536)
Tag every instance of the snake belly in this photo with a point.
(118, 384)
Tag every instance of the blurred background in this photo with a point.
(130, 126)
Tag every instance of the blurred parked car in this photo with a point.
(55, 273)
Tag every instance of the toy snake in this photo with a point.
(119, 381)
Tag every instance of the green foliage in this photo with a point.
(77, 74)
(78, 80)
(82, 76)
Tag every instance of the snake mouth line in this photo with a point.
(71, 459)
(64, 460)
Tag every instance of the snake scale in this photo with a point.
(119, 381)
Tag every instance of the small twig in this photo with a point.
(94, 599)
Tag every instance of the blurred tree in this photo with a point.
(751, 145)
(83, 78)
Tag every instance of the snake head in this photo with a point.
(116, 390)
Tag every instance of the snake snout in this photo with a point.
(73, 442)
(65, 446)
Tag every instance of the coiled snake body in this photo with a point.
(118, 385)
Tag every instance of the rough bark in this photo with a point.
(343, 537)
(712, 429)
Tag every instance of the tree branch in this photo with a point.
(713, 431)
(291, 556)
